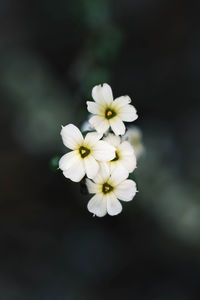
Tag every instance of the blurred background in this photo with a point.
(51, 55)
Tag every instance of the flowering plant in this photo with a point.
(103, 158)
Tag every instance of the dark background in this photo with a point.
(51, 55)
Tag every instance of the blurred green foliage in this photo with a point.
(95, 15)
(53, 164)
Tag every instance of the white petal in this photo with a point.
(103, 173)
(121, 101)
(99, 123)
(68, 160)
(112, 139)
(76, 172)
(128, 113)
(92, 187)
(95, 108)
(97, 205)
(125, 148)
(139, 150)
(114, 207)
(91, 166)
(102, 94)
(112, 165)
(71, 136)
(107, 93)
(119, 168)
(126, 190)
(129, 162)
(103, 151)
(92, 137)
(118, 175)
(133, 132)
(117, 126)
(134, 136)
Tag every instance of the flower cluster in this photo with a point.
(104, 157)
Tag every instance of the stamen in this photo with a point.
(106, 188)
(109, 113)
(84, 151)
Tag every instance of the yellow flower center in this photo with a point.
(109, 113)
(84, 151)
(106, 188)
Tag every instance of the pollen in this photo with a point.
(84, 151)
(106, 188)
(109, 113)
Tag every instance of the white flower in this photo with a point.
(109, 112)
(124, 154)
(134, 136)
(108, 189)
(85, 155)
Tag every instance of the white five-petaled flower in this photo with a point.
(124, 154)
(108, 189)
(85, 155)
(109, 112)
